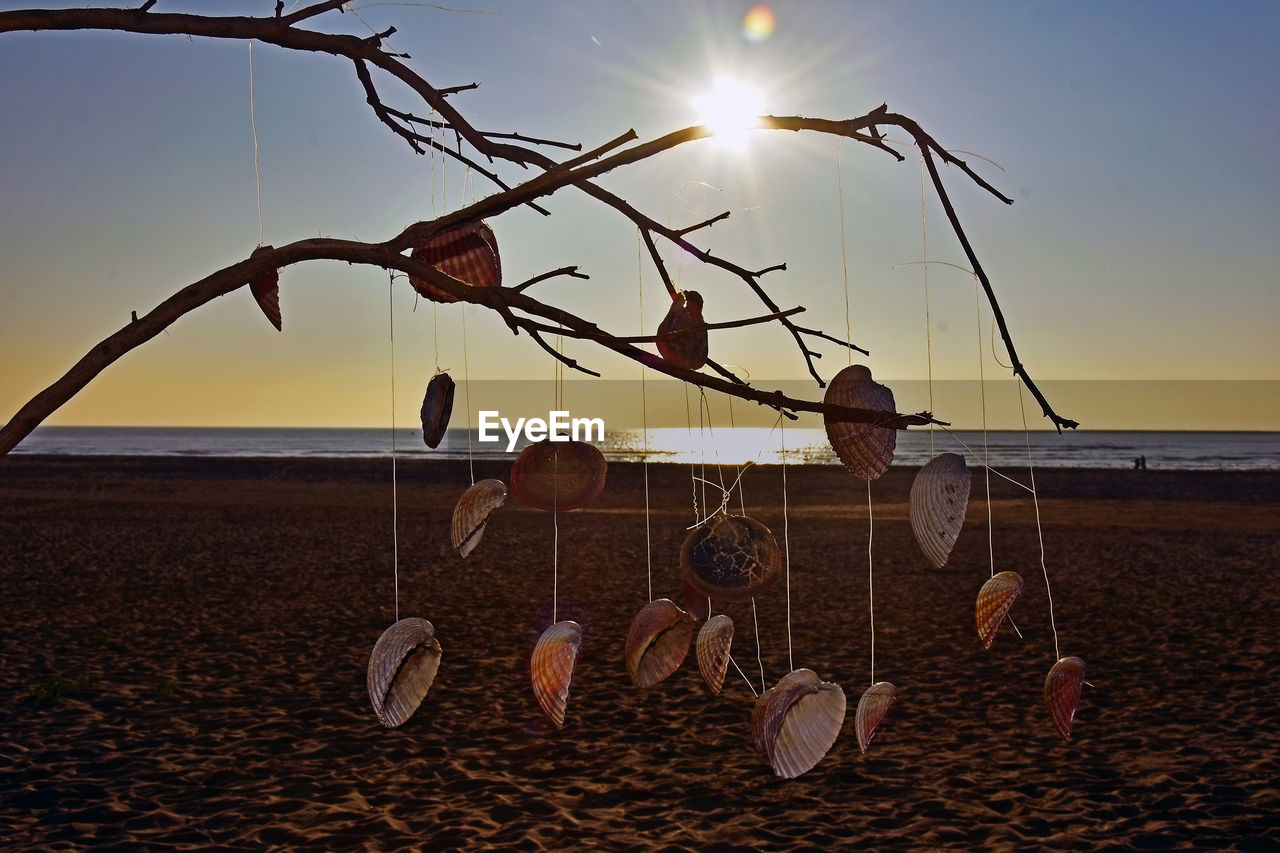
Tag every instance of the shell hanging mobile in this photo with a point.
(466, 252)
(865, 449)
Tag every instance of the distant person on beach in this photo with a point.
(1140, 463)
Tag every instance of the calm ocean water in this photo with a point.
(1229, 451)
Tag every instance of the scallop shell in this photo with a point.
(472, 514)
(266, 290)
(658, 642)
(467, 252)
(772, 704)
(551, 667)
(688, 350)
(713, 644)
(939, 497)
(437, 405)
(872, 708)
(731, 557)
(558, 475)
(865, 449)
(1062, 693)
(798, 722)
(994, 600)
(401, 668)
(695, 601)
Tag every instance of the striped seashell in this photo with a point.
(472, 514)
(558, 476)
(1062, 693)
(772, 704)
(865, 449)
(695, 601)
(872, 708)
(658, 642)
(797, 722)
(467, 252)
(437, 405)
(712, 646)
(731, 557)
(554, 657)
(995, 598)
(939, 497)
(401, 668)
(266, 290)
(687, 350)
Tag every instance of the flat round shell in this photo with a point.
(1062, 693)
(551, 668)
(467, 252)
(715, 639)
(865, 449)
(872, 708)
(658, 642)
(557, 476)
(437, 406)
(731, 557)
(995, 598)
(939, 497)
(472, 513)
(401, 669)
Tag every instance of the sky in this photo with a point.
(1138, 267)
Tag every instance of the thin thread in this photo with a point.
(750, 686)
(466, 383)
(395, 515)
(253, 124)
(1035, 500)
(555, 558)
(978, 458)
(928, 323)
(844, 254)
(871, 590)
(986, 454)
(755, 621)
(644, 421)
(786, 540)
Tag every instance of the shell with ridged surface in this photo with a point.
(939, 497)
(472, 514)
(437, 406)
(995, 598)
(658, 642)
(401, 669)
(688, 350)
(467, 252)
(872, 708)
(731, 557)
(1062, 693)
(797, 722)
(865, 449)
(712, 646)
(551, 668)
(558, 476)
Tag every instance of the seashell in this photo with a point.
(731, 557)
(695, 601)
(687, 350)
(994, 600)
(658, 642)
(467, 252)
(558, 475)
(713, 644)
(266, 290)
(797, 722)
(401, 668)
(472, 514)
(939, 497)
(437, 405)
(551, 667)
(1062, 693)
(865, 449)
(771, 705)
(872, 708)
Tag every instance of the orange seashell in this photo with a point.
(798, 722)
(1062, 693)
(467, 252)
(939, 497)
(994, 600)
(558, 475)
(872, 708)
(401, 669)
(658, 642)
(266, 290)
(713, 644)
(865, 449)
(695, 601)
(688, 350)
(437, 405)
(472, 513)
(731, 557)
(554, 657)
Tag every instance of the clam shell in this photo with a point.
(558, 475)
(939, 497)
(437, 405)
(772, 704)
(551, 667)
(266, 290)
(658, 642)
(687, 350)
(866, 450)
(731, 557)
(467, 252)
(695, 601)
(797, 722)
(401, 668)
(995, 598)
(712, 646)
(1062, 693)
(872, 708)
(472, 514)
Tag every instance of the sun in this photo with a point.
(731, 108)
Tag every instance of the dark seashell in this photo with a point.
(1062, 693)
(266, 290)
(467, 252)
(731, 557)
(713, 645)
(558, 476)
(688, 350)
(472, 512)
(872, 708)
(401, 669)
(865, 449)
(658, 642)
(437, 405)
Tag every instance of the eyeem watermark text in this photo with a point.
(558, 426)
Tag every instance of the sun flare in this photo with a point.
(730, 108)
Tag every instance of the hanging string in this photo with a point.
(395, 519)
(786, 537)
(871, 589)
(928, 324)
(986, 455)
(466, 384)
(1035, 500)
(755, 621)
(844, 253)
(750, 686)
(644, 421)
(253, 124)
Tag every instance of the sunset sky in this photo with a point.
(1138, 139)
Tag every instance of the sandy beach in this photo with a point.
(183, 645)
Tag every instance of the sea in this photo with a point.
(1181, 451)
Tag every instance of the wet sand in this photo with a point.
(183, 646)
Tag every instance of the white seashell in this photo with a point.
(467, 252)
(472, 514)
(554, 657)
(558, 475)
(731, 557)
(872, 708)
(401, 668)
(995, 598)
(865, 449)
(266, 290)
(939, 497)
(713, 644)
(658, 642)
(437, 405)
(797, 721)
(690, 349)
(1062, 693)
